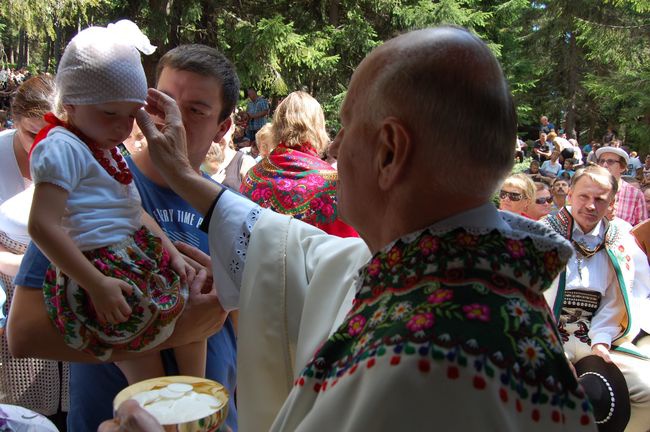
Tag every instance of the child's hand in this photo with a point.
(182, 267)
(109, 302)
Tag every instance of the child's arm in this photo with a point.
(177, 262)
(44, 227)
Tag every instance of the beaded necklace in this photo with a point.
(121, 173)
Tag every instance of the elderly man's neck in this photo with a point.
(405, 218)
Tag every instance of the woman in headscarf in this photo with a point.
(293, 179)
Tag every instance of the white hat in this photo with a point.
(102, 64)
(616, 150)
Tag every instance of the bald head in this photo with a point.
(448, 88)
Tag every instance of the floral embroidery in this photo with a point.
(516, 248)
(429, 245)
(356, 325)
(401, 310)
(440, 296)
(155, 304)
(519, 310)
(460, 308)
(394, 257)
(296, 182)
(531, 352)
(377, 316)
(477, 312)
(420, 322)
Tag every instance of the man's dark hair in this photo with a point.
(206, 61)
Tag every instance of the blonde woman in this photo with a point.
(517, 194)
(293, 179)
(542, 204)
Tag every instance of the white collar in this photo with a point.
(597, 232)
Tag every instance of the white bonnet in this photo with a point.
(102, 64)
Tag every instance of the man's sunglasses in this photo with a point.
(544, 200)
(512, 196)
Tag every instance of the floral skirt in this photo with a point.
(157, 300)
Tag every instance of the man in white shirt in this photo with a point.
(423, 319)
(595, 297)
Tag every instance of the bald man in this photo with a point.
(435, 319)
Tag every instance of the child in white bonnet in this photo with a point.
(116, 281)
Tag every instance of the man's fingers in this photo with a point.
(147, 125)
(197, 283)
(166, 105)
(194, 253)
(190, 272)
(190, 262)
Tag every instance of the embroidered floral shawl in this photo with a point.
(296, 182)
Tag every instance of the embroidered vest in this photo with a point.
(470, 304)
(621, 263)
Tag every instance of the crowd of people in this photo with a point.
(320, 281)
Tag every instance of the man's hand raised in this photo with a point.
(162, 125)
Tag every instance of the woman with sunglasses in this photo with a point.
(541, 206)
(517, 194)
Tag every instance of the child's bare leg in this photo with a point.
(142, 368)
(191, 358)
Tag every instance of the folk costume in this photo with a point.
(593, 302)
(296, 182)
(446, 326)
(115, 242)
(103, 215)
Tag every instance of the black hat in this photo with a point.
(607, 391)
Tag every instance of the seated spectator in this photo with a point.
(517, 194)
(542, 204)
(542, 148)
(595, 300)
(534, 173)
(568, 168)
(559, 191)
(228, 165)
(552, 167)
(519, 150)
(545, 125)
(634, 165)
(592, 159)
(293, 179)
(630, 205)
(577, 154)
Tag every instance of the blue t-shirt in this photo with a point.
(94, 386)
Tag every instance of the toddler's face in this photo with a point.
(107, 125)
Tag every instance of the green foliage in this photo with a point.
(521, 166)
(584, 63)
